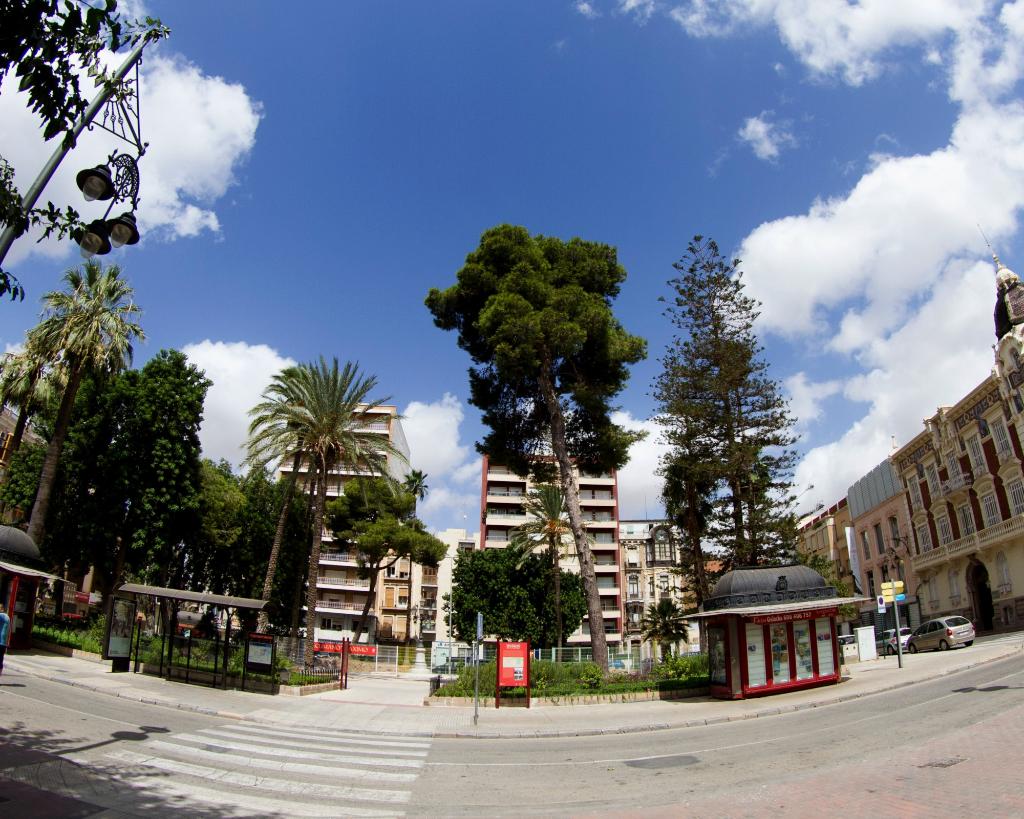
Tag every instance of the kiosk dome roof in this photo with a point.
(773, 584)
(17, 544)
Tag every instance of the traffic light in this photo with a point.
(890, 589)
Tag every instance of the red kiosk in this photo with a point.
(21, 575)
(771, 630)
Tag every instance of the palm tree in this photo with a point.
(270, 420)
(24, 384)
(664, 623)
(415, 484)
(88, 327)
(549, 526)
(325, 417)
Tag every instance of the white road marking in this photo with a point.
(266, 783)
(320, 756)
(284, 767)
(338, 736)
(282, 740)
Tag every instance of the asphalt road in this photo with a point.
(949, 747)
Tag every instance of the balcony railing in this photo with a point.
(957, 482)
(986, 538)
(352, 582)
(338, 557)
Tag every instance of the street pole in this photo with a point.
(476, 662)
(899, 637)
(31, 196)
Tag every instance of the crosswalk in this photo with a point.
(243, 769)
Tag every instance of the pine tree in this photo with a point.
(728, 471)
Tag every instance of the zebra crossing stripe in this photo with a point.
(327, 744)
(329, 755)
(346, 736)
(265, 783)
(283, 767)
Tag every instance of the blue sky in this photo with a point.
(312, 175)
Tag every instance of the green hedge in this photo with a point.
(89, 638)
(580, 679)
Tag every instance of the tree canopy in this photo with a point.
(534, 313)
(515, 597)
(729, 467)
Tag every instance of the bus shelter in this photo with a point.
(771, 630)
(173, 598)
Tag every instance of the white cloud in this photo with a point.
(805, 397)
(240, 372)
(587, 9)
(641, 10)
(432, 430)
(638, 482)
(766, 138)
(200, 129)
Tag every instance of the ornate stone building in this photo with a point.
(964, 488)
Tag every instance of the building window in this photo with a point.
(879, 540)
(1003, 570)
(933, 480)
(945, 530)
(894, 531)
(990, 509)
(1000, 436)
(663, 582)
(915, 493)
(871, 584)
(650, 586)
(866, 545)
(634, 586)
(933, 592)
(976, 454)
(1017, 496)
(966, 520)
(953, 466)
(954, 586)
(924, 538)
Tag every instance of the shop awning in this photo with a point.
(24, 571)
(784, 608)
(194, 596)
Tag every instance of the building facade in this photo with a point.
(650, 550)
(823, 533)
(341, 593)
(881, 546)
(964, 491)
(437, 584)
(501, 510)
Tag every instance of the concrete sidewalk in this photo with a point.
(394, 705)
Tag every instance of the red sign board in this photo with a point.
(513, 664)
(81, 597)
(787, 616)
(357, 649)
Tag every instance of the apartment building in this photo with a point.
(823, 533)
(433, 584)
(650, 551)
(341, 593)
(501, 510)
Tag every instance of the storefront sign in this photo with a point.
(788, 616)
(361, 650)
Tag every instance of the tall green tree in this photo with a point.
(49, 45)
(89, 327)
(725, 419)
(329, 410)
(377, 522)
(415, 484)
(26, 383)
(664, 623)
(534, 314)
(514, 596)
(548, 526)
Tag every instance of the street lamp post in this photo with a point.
(100, 235)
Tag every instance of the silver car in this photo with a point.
(941, 633)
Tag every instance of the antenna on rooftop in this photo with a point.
(995, 258)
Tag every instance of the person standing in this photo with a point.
(5, 633)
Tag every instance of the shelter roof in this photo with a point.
(194, 596)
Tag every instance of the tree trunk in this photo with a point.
(323, 469)
(308, 490)
(558, 594)
(37, 523)
(275, 549)
(598, 642)
(693, 535)
(366, 606)
(18, 434)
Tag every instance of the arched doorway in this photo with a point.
(981, 594)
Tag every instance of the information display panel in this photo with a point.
(802, 645)
(780, 653)
(826, 659)
(755, 656)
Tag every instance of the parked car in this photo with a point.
(941, 633)
(888, 641)
(847, 639)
